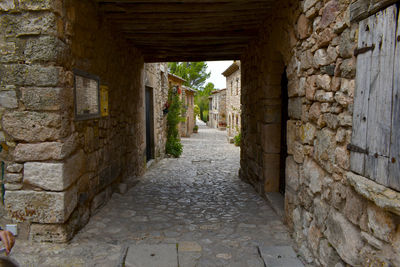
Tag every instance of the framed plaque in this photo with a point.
(87, 95)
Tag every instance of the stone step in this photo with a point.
(279, 256)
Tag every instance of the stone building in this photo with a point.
(217, 109)
(186, 128)
(313, 128)
(233, 108)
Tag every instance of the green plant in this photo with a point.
(173, 145)
(196, 128)
(237, 140)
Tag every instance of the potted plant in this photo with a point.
(196, 129)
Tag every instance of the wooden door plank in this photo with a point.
(394, 163)
(359, 134)
(379, 118)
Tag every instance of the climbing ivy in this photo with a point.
(173, 145)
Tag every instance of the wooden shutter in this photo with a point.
(372, 116)
(394, 161)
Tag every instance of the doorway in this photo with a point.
(284, 119)
(149, 124)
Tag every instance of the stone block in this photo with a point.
(44, 151)
(271, 163)
(271, 138)
(12, 187)
(315, 112)
(314, 174)
(344, 237)
(291, 135)
(343, 99)
(8, 99)
(307, 133)
(54, 176)
(329, 14)
(32, 126)
(44, 48)
(14, 167)
(41, 206)
(98, 201)
(35, 4)
(324, 149)
(323, 96)
(7, 5)
(41, 98)
(380, 223)
(58, 233)
(292, 173)
(330, 120)
(321, 58)
(29, 23)
(324, 82)
(13, 177)
(354, 207)
(303, 27)
(295, 107)
(307, 4)
(30, 75)
(348, 68)
(321, 210)
(327, 255)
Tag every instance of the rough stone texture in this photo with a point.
(344, 237)
(45, 151)
(8, 99)
(54, 176)
(233, 105)
(382, 196)
(32, 126)
(40, 206)
(318, 131)
(41, 43)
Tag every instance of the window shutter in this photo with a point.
(394, 161)
(372, 117)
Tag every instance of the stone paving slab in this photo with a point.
(152, 256)
(279, 256)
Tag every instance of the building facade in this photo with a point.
(217, 109)
(186, 127)
(233, 106)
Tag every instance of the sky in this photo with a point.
(217, 68)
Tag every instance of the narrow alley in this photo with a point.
(196, 201)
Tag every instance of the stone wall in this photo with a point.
(217, 112)
(186, 127)
(60, 170)
(156, 77)
(337, 218)
(233, 107)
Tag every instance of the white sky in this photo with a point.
(217, 68)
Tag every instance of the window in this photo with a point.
(87, 96)
(237, 86)
(231, 88)
(375, 143)
(237, 119)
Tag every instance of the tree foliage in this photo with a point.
(195, 73)
(173, 145)
(201, 99)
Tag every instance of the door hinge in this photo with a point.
(362, 50)
(358, 149)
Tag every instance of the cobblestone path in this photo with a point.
(196, 201)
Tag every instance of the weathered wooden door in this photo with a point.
(376, 123)
(149, 124)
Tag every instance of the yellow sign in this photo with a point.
(104, 100)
